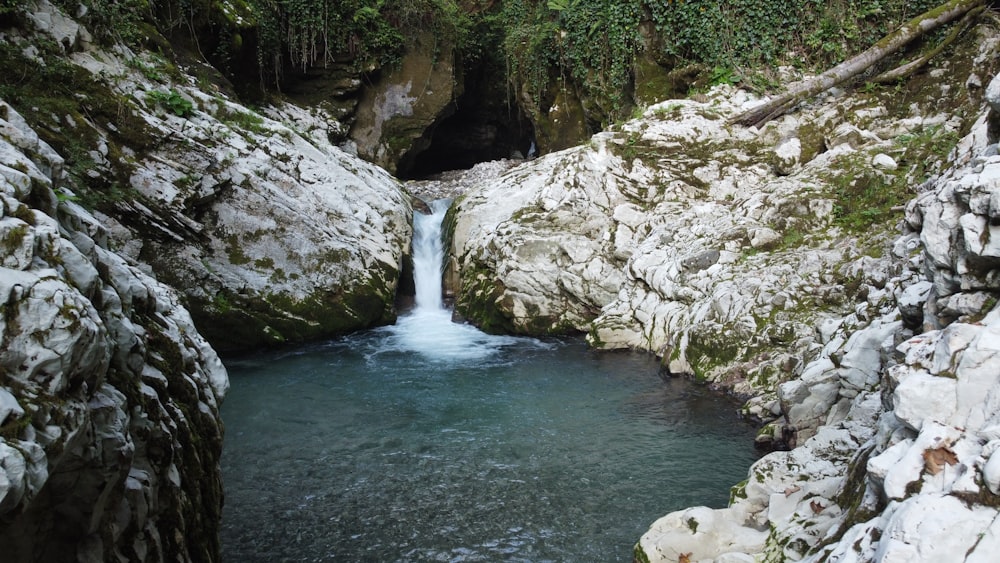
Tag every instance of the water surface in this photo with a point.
(432, 441)
(362, 450)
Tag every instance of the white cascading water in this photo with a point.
(428, 255)
(428, 328)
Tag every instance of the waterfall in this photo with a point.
(428, 328)
(428, 255)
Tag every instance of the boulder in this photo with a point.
(272, 233)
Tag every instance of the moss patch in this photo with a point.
(66, 105)
(708, 350)
(478, 301)
(238, 322)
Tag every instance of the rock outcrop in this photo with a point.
(394, 113)
(901, 464)
(684, 236)
(272, 233)
(109, 397)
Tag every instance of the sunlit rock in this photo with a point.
(672, 235)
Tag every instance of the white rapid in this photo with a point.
(428, 328)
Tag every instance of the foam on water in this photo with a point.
(428, 329)
(432, 334)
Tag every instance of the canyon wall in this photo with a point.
(109, 410)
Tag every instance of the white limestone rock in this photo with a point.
(909, 383)
(703, 534)
(681, 256)
(885, 162)
(862, 357)
(807, 400)
(787, 156)
(934, 528)
(105, 376)
(911, 303)
(65, 31)
(992, 94)
(272, 233)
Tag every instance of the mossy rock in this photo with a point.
(709, 350)
(235, 323)
(479, 302)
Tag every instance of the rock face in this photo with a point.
(272, 233)
(901, 463)
(393, 114)
(730, 253)
(677, 235)
(109, 426)
(284, 238)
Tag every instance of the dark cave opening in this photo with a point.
(481, 125)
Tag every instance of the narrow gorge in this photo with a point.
(185, 219)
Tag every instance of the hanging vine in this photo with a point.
(304, 33)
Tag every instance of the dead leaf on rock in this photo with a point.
(936, 459)
(684, 558)
(816, 506)
(789, 491)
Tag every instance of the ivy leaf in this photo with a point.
(561, 5)
(366, 14)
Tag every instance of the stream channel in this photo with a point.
(432, 441)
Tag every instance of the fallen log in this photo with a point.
(903, 35)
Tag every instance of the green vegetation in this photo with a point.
(738, 491)
(638, 555)
(595, 47)
(301, 33)
(747, 33)
(111, 21)
(172, 101)
(14, 238)
(866, 197)
(8, 6)
(148, 70)
(243, 120)
(62, 101)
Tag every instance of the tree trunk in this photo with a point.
(918, 26)
(909, 68)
